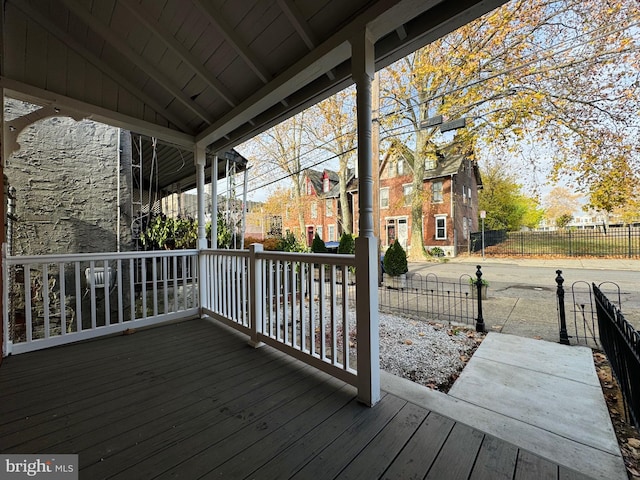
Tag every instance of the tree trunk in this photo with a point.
(416, 252)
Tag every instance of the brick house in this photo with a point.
(447, 219)
(321, 204)
(450, 209)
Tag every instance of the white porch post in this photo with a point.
(214, 202)
(200, 157)
(255, 290)
(366, 243)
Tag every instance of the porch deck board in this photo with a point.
(193, 400)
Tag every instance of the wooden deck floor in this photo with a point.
(191, 400)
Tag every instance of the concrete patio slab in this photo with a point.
(541, 396)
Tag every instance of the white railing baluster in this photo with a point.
(107, 287)
(154, 284)
(92, 293)
(333, 310)
(304, 268)
(175, 284)
(143, 274)
(345, 317)
(165, 285)
(285, 298)
(27, 303)
(63, 295)
(78, 298)
(119, 280)
(132, 287)
(45, 299)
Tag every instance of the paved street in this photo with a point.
(522, 292)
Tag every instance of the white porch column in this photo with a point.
(366, 243)
(214, 202)
(200, 158)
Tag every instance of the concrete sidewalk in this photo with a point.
(541, 396)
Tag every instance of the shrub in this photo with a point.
(272, 244)
(290, 243)
(436, 252)
(395, 260)
(318, 246)
(347, 244)
(249, 240)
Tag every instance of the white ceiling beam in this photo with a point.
(295, 18)
(234, 41)
(76, 108)
(114, 40)
(81, 50)
(185, 55)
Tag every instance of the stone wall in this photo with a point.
(66, 178)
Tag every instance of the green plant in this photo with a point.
(347, 244)
(290, 243)
(318, 246)
(436, 252)
(473, 280)
(163, 232)
(395, 260)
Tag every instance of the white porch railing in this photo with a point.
(56, 299)
(301, 304)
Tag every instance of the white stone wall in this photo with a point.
(66, 178)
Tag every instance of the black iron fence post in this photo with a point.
(480, 320)
(564, 337)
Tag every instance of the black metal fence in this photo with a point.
(430, 298)
(598, 242)
(621, 343)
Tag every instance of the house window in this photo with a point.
(469, 194)
(465, 228)
(407, 190)
(436, 191)
(384, 198)
(430, 163)
(332, 233)
(464, 194)
(325, 184)
(441, 227)
(319, 231)
(314, 210)
(328, 207)
(309, 188)
(400, 166)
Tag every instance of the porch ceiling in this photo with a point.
(216, 72)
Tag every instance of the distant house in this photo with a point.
(450, 205)
(322, 210)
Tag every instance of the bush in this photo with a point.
(436, 252)
(395, 260)
(347, 244)
(272, 244)
(290, 243)
(318, 246)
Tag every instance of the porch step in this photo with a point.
(540, 396)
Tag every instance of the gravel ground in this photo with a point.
(429, 353)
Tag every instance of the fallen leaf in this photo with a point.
(421, 334)
(633, 442)
(408, 342)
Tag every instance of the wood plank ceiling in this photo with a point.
(215, 72)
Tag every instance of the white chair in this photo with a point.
(98, 280)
